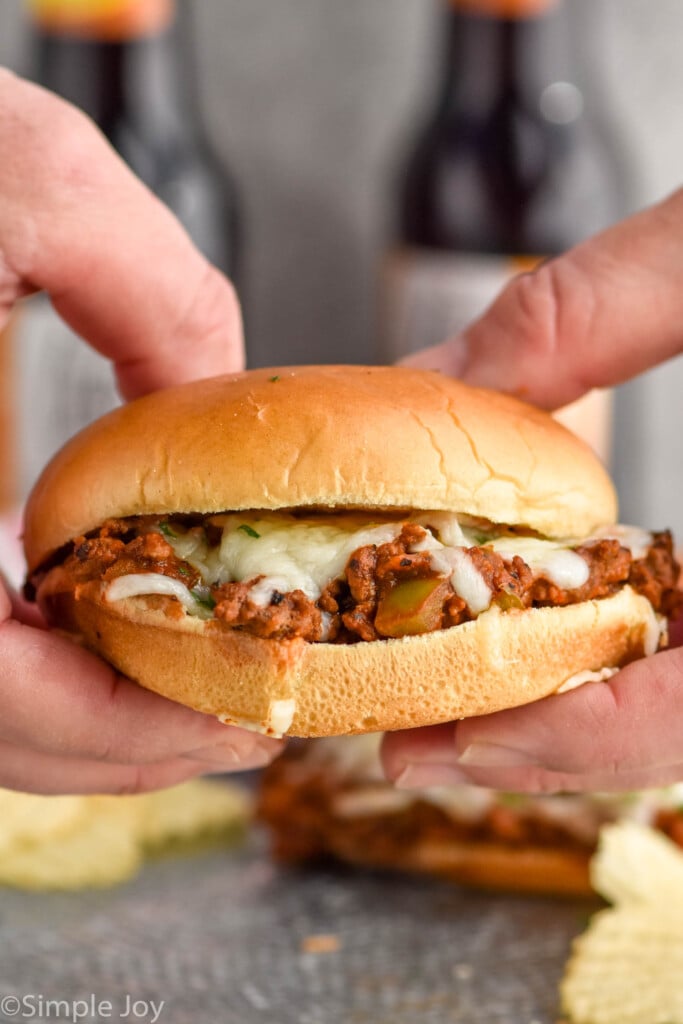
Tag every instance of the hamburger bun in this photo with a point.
(320, 440)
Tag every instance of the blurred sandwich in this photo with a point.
(327, 799)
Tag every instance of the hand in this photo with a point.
(121, 271)
(594, 317)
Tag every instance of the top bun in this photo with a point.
(327, 436)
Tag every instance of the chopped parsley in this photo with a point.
(249, 530)
(166, 530)
(205, 600)
(273, 379)
(184, 571)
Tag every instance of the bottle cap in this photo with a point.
(506, 8)
(109, 20)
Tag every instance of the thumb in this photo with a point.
(594, 317)
(618, 735)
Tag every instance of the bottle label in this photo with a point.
(62, 385)
(429, 296)
(108, 20)
(505, 8)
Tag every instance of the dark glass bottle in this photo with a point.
(129, 65)
(510, 160)
(512, 165)
(131, 70)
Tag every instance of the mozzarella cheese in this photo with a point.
(587, 676)
(296, 554)
(280, 717)
(548, 558)
(465, 578)
(137, 584)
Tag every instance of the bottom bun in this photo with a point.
(500, 660)
(532, 869)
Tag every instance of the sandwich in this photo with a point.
(321, 551)
(326, 800)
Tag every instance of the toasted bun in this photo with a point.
(342, 437)
(497, 661)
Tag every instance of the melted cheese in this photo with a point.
(145, 583)
(302, 554)
(465, 578)
(587, 676)
(448, 527)
(285, 553)
(634, 538)
(551, 559)
(280, 717)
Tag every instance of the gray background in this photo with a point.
(310, 103)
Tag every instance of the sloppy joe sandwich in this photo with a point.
(330, 550)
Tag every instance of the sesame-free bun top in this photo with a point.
(321, 436)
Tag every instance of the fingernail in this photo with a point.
(422, 776)
(493, 755)
(230, 757)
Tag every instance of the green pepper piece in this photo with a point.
(507, 600)
(412, 607)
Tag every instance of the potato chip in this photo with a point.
(96, 852)
(25, 817)
(190, 811)
(81, 842)
(627, 968)
(181, 813)
(635, 864)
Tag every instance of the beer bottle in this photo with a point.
(512, 166)
(128, 65)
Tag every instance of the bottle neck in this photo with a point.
(140, 72)
(514, 54)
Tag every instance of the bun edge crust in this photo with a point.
(498, 661)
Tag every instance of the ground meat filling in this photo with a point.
(385, 590)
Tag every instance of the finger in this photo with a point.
(31, 771)
(18, 607)
(412, 766)
(597, 316)
(59, 698)
(601, 735)
(117, 265)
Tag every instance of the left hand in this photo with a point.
(594, 317)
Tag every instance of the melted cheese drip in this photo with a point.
(280, 717)
(587, 676)
(465, 578)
